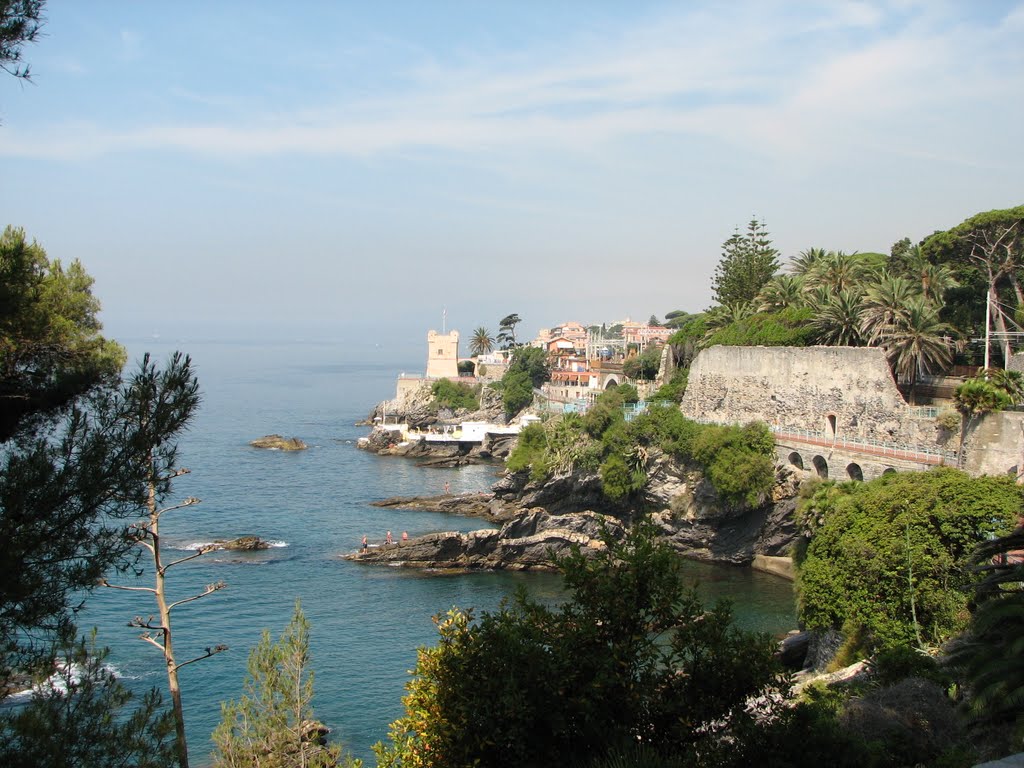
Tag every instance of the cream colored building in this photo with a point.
(442, 355)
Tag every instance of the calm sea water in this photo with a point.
(366, 621)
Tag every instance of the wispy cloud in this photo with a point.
(759, 75)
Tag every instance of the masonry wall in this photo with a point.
(843, 392)
(847, 392)
(442, 355)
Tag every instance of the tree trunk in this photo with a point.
(165, 628)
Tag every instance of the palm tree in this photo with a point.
(780, 292)
(481, 343)
(838, 271)
(917, 342)
(838, 320)
(801, 264)
(884, 303)
(727, 314)
(990, 654)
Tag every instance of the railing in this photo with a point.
(906, 452)
(875, 447)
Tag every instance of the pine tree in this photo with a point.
(272, 724)
(160, 403)
(80, 717)
(748, 262)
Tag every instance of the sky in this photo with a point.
(363, 172)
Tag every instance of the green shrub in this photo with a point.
(897, 548)
(741, 475)
(789, 327)
(675, 387)
(530, 452)
(516, 392)
(455, 395)
(618, 479)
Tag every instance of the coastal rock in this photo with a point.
(694, 520)
(243, 544)
(468, 504)
(279, 443)
(413, 407)
(527, 542)
(793, 648)
(380, 440)
(567, 492)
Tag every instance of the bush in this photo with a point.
(630, 657)
(897, 548)
(516, 392)
(675, 387)
(455, 395)
(530, 452)
(789, 327)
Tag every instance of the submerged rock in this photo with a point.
(277, 442)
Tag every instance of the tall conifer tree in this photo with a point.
(748, 262)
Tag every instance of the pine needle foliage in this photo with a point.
(272, 724)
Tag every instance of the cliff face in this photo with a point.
(525, 543)
(685, 506)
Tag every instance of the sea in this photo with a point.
(315, 506)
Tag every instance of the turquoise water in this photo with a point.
(366, 621)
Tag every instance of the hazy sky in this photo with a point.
(332, 170)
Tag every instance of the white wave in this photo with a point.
(59, 680)
(278, 544)
(195, 545)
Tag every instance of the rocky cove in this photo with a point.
(539, 518)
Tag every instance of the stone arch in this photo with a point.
(830, 425)
(889, 471)
(611, 383)
(854, 472)
(820, 466)
(796, 460)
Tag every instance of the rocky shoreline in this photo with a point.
(527, 542)
(538, 518)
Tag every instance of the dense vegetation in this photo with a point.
(888, 561)
(527, 370)
(919, 303)
(454, 395)
(631, 660)
(739, 461)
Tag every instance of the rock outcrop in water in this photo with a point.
(417, 409)
(279, 443)
(243, 544)
(389, 442)
(681, 502)
(527, 542)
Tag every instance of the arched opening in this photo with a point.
(855, 472)
(796, 460)
(611, 384)
(830, 425)
(820, 466)
(889, 471)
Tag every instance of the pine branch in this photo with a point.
(210, 589)
(209, 652)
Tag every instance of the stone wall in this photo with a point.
(1016, 362)
(842, 392)
(442, 355)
